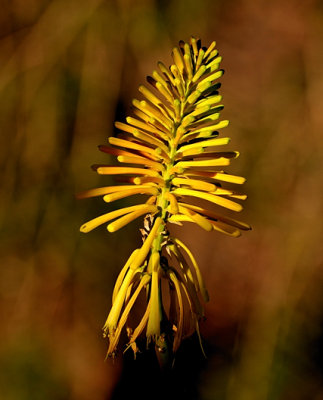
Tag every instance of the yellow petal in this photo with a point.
(122, 274)
(142, 161)
(209, 78)
(231, 205)
(220, 176)
(216, 162)
(113, 317)
(177, 56)
(226, 229)
(197, 218)
(179, 331)
(105, 190)
(206, 143)
(194, 184)
(166, 72)
(139, 329)
(144, 250)
(199, 73)
(122, 221)
(161, 88)
(188, 66)
(194, 96)
(196, 268)
(131, 145)
(94, 223)
(126, 170)
(146, 137)
(153, 325)
(172, 202)
(147, 127)
(210, 48)
(214, 216)
(123, 319)
(194, 46)
(208, 101)
(209, 127)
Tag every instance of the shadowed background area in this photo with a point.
(68, 69)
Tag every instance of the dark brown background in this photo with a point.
(68, 69)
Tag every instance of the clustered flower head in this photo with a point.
(170, 152)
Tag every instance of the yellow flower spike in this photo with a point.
(153, 324)
(169, 150)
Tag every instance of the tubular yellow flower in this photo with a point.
(172, 153)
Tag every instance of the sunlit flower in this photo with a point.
(173, 155)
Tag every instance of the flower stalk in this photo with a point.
(173, 155)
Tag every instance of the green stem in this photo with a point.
(163, 345)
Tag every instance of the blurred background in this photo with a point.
(68, 69)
